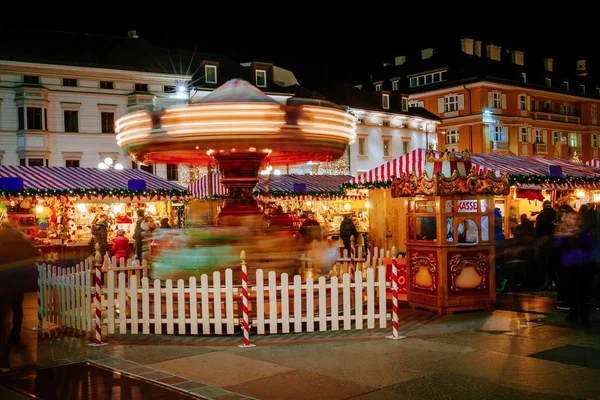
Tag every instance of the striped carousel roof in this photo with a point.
(593, 163)
(63, 178)
(277, 184)
(509, 164)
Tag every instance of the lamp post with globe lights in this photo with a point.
(109, 163)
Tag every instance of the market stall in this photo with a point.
(56, 206)
(450, 233)
(532, 180)
(317, 195)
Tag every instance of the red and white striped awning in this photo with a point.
(593, 163)
(279, 185)
(507, 164)
(63, 178)
(405, 164)
(199, 188)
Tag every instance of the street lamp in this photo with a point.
(109, 163)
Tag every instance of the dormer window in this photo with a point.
(378, 87)
(31, 79)
(566, 85)
(548, 82)
(396, 85)
(582, 88)
(210, 73)
(404, 104)
(524, 77)
(70, 82)
(261, 78)
(386, 101)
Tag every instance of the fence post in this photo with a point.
(40, 319)
(394, 279)
(351, 266)
(98, 259)
(245, 302)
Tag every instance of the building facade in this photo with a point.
(495, 100)
(58, 107)
(386, 127)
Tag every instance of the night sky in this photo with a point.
(333, 50)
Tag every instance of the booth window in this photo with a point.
(467, 231)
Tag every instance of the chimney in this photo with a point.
(478, 48)
(132, 35)
(581, 68)
(426, 53)
(466, 44)
(518, 57)
(399, 60)
(548, 64)
(493, 51)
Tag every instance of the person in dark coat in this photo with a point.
(137, 236)
(576, 244)
(310, 230)
(499, 239)
(347, 230)
(544, 231)
(100, 233)
(18, 259)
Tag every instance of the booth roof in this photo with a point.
(279, 185)
(83, 180)
(524, 171)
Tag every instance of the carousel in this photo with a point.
(241, 131)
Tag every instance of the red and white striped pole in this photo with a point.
(395, 318)
(97, 299)
(40, 321)
(351, 267)
(246, 320)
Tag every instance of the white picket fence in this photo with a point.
(134, 304)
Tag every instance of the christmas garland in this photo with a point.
(514, 179)
(93, 192)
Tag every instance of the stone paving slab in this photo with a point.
(573, 355)
(220, 368)
(300, 385)
(540, 375)
(447, 385)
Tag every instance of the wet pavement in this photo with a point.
(522, 350)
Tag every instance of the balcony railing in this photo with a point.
(546, 116)
(499, 146)
(541, 148)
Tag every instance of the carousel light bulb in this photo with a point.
(181, 88)
(579, 193)
(367, 204)
(347, 206)
(39, 209)
(308, 203)
(596, 197)
(118, 166)
(103, 166)
(277, 172)
(265, 172)
(108, 161)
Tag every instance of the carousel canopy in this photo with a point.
(279, 186)
(50, 181)
(593, 163)
(524, 172)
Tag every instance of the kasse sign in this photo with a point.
(467, 206)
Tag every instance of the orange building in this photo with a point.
(491, 100)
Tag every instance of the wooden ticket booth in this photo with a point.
(450, 234)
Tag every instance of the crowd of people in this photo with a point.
(564, 246)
